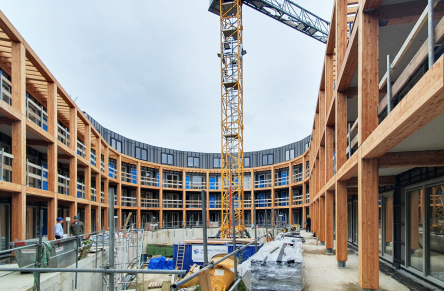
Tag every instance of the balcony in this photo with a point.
(102, 197)
(282, 181)
(263, 202)
(80, 190)
(62, 184)
(297, 177)
(264, 183)
(195, 185)
(149, 203)
(149, 181)
(81, 149)
(128, 201)
(297, 199)
(112, 171)
(6, 166)
(36, 176)
(172, 203)
(129, 177)
(172, 184)
(282, 201)
(190, 203)
(247, 203)
(307, 197)
(214, 184)
(63, 135)
(215, 203)
(102, 166)
(93, 194)
(36, 113)
(6, 90)
(93, 157)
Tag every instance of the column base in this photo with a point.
(329, 251)
(342, 264)
(322, 243)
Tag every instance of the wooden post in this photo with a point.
(18, 229)
(329, 221)
(52, 217)
(341, 223)
(328, 83)
(322, 161)
(52, 159)
(87, 218)
(73, 129)
(322, 219)
(329, 148)
(205, 280)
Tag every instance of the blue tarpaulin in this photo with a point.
(160, 263)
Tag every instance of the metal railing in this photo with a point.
(352, 137)
(102, 166)
(215, 203)
(307, 197)
(172, 184)
(215, 185)
(282, 181)
(129, 177)
(307, 171)
(37, 114)
(263, 202)
(93, 157)
(149, 181)
(195, 185)
(262, 184)
(112, 172)
(297, 177)
(62, 184)
(247, 203)
(6, 87)
(6, 166)
(193, 203)
(80, 190)
(128, 201)
(247, 186)
(172, 203)
(102, 197)
(297, 200)
(149, 202)
(81, 149)
(63, 135)
(93, 194)
(36, 176)
(283, 201)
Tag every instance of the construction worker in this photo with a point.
(308, 224)
(58, 228)
(77, 227)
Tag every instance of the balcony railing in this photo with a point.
(247, 203)
(172, 203)
(112, 172)
(195, 185)
(6, 87)
(6, 166)
(129, 177)
(352, 138)
(102, 197)
(63, 135)
(80, 190)
(62, 184)
(102, 166)
(149, 203)
(297, 177)
(172, 184)
(247, 186)
(215, 185)
(81, 149)
(93, 194)
(93, 158)
(149, 181)
(263, 202)
(283, 201)
(307, 198)
(307, 171)
(215, 204)
(128, 201)
(36, 176)
(194, 204)
(283, 181)
(37, 114)
(297, 200)
(262, 183)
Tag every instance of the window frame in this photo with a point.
(219, 160)
(245, 162)
(167, 156)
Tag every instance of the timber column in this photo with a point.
(368, 191)
(321, 219)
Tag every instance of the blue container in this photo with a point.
(188, 261)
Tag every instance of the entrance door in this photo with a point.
(386, 226)
(5, 230)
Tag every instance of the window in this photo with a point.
(116, 144)
(216, 163)
(289, 155)
(267, 159)
(141, 154)
(167, 159)
(193, 162)
(246, 162)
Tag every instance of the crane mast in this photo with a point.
(232, 125)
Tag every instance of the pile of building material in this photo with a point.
(278, 266)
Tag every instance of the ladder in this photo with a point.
(180, 256)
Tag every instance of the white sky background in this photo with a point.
(149, 70)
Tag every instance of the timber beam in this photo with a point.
(412, 159)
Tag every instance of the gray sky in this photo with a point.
(149, 70)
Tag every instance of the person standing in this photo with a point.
(77, 227)
(308, 224)
(58, 228)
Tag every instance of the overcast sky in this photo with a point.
(149, 70)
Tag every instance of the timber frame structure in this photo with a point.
(377, 145)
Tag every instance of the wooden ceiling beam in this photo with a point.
(412, 159)
(36, 142)
(383, 181)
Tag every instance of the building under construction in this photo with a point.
(370, 173)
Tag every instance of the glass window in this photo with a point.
(291, 154)
(197, 162)
(287, 155)
(119, 146)
(170, 159)
(264, 160)
(216, 163)
(416, 231)
(164, 158)
(246, 162)
(270, 159)
(190, 162)
(435, 215)
(388, 225)
(138, 154)
(144, 155)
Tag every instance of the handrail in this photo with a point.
(297, 177)
(282, 181)
(81, 190)
(63, 183)
(102, 166)
(6, 165)
(93, 157)
(283, 201)
(247, 203)
(6, 90)
(216, 203)
(307, 197)
(172, 184)
(102, 197)
(193, 203)
(215, 185)
(149, 202)
(112, 171)
(81, 149)
(129, 177)
(266, 202)
(172, 203)
(36, 113)
(297, 199)
(264, 183)
(35, 176)
(93, 194)
(149, 181)
(63, 135)
(195, 185)
(128, 201)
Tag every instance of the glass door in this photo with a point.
(386, 226)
